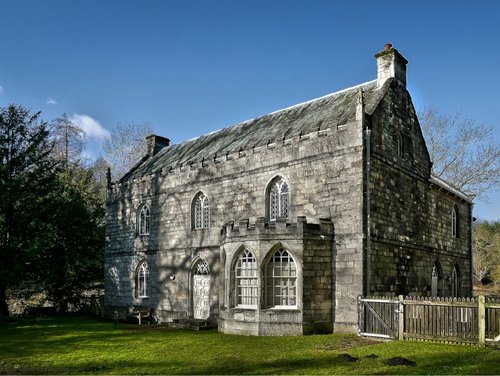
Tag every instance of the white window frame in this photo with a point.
(201, 211)
(246, 273)
(278, 199)
(143, 220)
(142, 280)
(288, 273)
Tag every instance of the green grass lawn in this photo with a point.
(86, 346)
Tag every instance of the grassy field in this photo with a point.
(86, 346)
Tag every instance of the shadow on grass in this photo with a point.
(87, 346)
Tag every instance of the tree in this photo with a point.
(26, 178)
(126, 146)
(463, 152)
(486, 251)
(72, 259)
(68, 141)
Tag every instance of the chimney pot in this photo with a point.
(387, 46)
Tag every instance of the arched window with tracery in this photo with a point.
(247, 280)
(281, 280)
(142, 275)
(454, 222)
(201, 211)
(201, 268)
(278, 197)
(143, 220)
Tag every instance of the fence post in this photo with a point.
(482, 321)
(361, 315)
(401, 318)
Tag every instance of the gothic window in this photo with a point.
(201, 211)
(142, 280)
(281, 280)
(436, 280)
(455, 283)
(143, 221)
(246, 273)
(278, 199)
(201, 268)
(454, 222)
(400, 145)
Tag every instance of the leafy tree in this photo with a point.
(72, 259)
(26, 178)
(463, 152)
(126, 146)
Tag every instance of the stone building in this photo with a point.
(275, 225)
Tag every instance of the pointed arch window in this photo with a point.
(202, 268)
(281, 280)
(436, 280)
(247, 286)
(142, 276)
(278, 199)
(143, 219)
(201, 211)
(454, 222)
(400, 145)
(455, 282)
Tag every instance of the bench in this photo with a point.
(140, 313)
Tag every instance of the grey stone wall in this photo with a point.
(324, 171)
(410, 217)
(311, 247)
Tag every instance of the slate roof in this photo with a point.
(331, 110)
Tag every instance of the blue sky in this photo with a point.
(191, 67)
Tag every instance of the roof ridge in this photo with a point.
(251, 120)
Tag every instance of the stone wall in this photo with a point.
(311, 247)
(324, 172)
(410, 218)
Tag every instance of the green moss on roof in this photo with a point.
(321, 113)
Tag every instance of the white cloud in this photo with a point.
(2, 90)
(91, 127)
(51, 100)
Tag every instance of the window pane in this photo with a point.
(246, 279)
(281, 279)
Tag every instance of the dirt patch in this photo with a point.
(400, 361)
(348, 358)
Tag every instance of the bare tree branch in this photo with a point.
(126, 146)
(463, 152)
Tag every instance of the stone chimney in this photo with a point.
(156, 143)
(390, 63)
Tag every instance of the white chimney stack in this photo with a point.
(390, 63)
